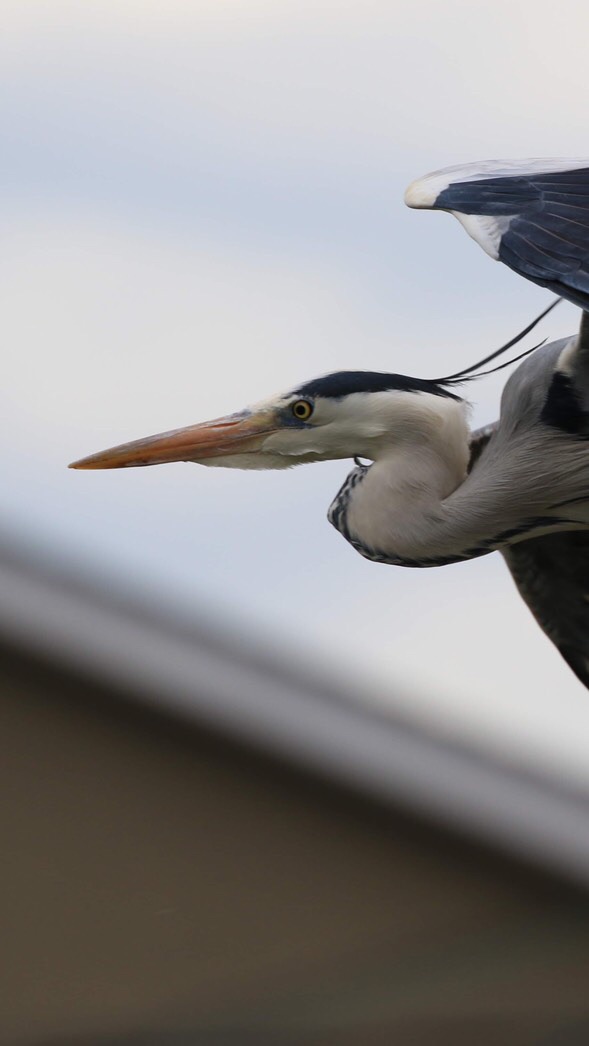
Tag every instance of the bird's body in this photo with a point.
(436, 493)
(440, 510)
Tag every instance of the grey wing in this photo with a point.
(552, 576)
(533, 215)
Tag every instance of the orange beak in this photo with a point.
(235, 434)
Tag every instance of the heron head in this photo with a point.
(342, 415)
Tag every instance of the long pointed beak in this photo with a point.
(235, 434)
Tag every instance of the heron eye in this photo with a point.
(302, 409)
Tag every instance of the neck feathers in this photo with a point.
(387, 510)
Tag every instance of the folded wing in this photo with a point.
(552, 575)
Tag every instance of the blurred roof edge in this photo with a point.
(177, 664)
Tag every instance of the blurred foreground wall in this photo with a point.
(164, 882)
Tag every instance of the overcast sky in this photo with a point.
(202, 205)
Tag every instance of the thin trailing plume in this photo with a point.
(493, 370)
(461, 375)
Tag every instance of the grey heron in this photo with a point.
(425, 490)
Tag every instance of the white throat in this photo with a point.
(422, 461)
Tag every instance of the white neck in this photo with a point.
(397, 507)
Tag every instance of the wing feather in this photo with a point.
(552, 576)
(532, 215)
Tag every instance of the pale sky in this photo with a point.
(202, 205)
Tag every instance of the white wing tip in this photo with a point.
(421, 193)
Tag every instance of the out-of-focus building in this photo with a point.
(205, 845)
